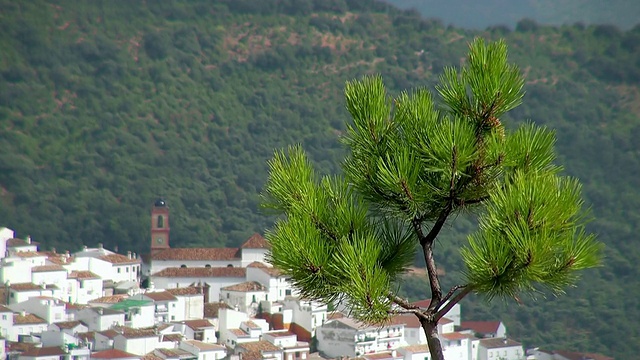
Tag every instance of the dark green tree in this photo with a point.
(412, 167)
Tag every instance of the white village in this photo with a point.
(203, 304)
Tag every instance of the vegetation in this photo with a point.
(104, 107)
(410, 170)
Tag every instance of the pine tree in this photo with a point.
(414, 165)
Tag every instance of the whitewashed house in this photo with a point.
(103, 340)
(26, 324)
(165, 304)
(236, 327)
(415, 352)
(348, 337)
(288, 342)
(204, 351)
(100, 319)
(48, 308)
(212, 278)
(259, 350)
(307, 314)
(458, 345)
(137, 313)
(190, 304)
(500, 348)
(85, 286)
(44, 353)
(201, 330)
(108, 265)
(114, 354)
(6, 320)
(24, 291)
(278, 286)
(139, 341)
(245, 296)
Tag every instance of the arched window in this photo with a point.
(183, 266)
(207, 266)
(160, 221)
(230, 265)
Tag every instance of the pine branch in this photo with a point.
(456, 299)
(450, 294)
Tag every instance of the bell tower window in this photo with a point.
(160, 224)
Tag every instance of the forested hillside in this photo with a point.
(105, 106)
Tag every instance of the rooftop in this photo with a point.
(172, 337)
(67, 324)
(247, 286)
(419, 348)
(25, 287)
(128, 304)
(47, 268)
(202, 254)
(160, 296)
(118, 259)
(110, 299)
(493, 343)
(15, 242)
(43, 351)
(457, 336)
(202, 272)
(211, 309)
(197, 324)
(256, 241)
(482, 327)
(173, 353)
(191, 290)
(280, 333)
(261, 345)
(28, 254)
(27, 318)
(131, 333)
(113, 354)
(205, 346)
(83, 275)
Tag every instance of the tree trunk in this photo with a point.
(435, 347)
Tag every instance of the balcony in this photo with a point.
(361, 339)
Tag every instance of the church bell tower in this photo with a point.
(159, 226)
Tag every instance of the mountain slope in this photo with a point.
(105, 107)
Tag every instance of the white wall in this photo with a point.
(189, 307)
(6, 323)
(334, 342)
(138, 346)
(507, 353)
(49, 277)
(229, 319)
(87, 290)
(143, 316)
(251, 255)
(5, 234)
(244, 301)
(25, 329)
(17, 270)
(51, 310)
(159, 265)
(215, 283)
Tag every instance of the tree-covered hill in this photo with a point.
(105, 106)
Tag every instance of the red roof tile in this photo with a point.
(113, 354)
(261, 345)
(197, 324)
(197, 254)
(211, 310)
(172, 337)
(494, 343)
(67, 324)
(109, 333)
(256, 241)
(28, 254)
(4, 309)
(47, 268)
(118, 259)
(131, 333)
(44, 351)
(15, 242)
(202, 272)
(409, 320)
(27, 319)
(25, 287)
(457, 336)
(420, 348)
(113, 299)
(191, 290)
(83, 275)
(160, 296)
(247, 286)
(482, 327)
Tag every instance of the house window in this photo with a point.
(207, 266)
(173, 305)
(304, 355)
(173, 317)
(127, 269)
(227, 295)
(160, 222)
(183, 266)
(119, 270)
(287, 292)
(4, 317)
(230, 265)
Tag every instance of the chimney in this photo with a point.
(115, 249)
(394, 353)
(100, 311)
(84, 247)
(28, 239)
(23, 313)
(53, 250)
(129, 254)
(504, 340)
(100, 246)
(66, 254)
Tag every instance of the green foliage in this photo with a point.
(93, 129)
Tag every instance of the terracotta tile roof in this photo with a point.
(173, 353)
(25, 287)
(198, 254)
(28, 254)
(86, 336)
(257, 264)
(409, 320)
(44, 351)
(380, 356)
(247, 286)
(197, 324)
(14, 346)
(280, 333)
(113, 354)
(47, 268)
(67, 324)
(151, 356)
(205, 346)
(256, 241)
(422, 303)
(202, 272)
(4, 309)
(251, 355)
(131, 333)
(27, 319)
(3, 295)
(251, 325)
(68, 306)
(172, 337)
(83, 275)
(238, 332)
(113, 299)
(160, 296)
(109, 333)
(457, 336)
(335, 315)
(118, 259)
(60, 259)
(482, 327)
(211, 310)
(419, 348)
(15, 242)
(191, 290)
(261, 345)
(494, 343)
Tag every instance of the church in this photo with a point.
(168, 267)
